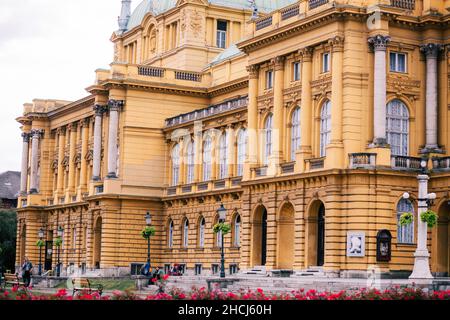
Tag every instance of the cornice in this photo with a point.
(86, 102)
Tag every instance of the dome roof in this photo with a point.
(160, 6)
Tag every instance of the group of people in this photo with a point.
(175, 270)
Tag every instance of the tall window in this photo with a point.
(326, 62)
(405, 234)
(221, 34)
(175, 165)
(397, 127)
(241, 151)
(268, 138)
(325, 127)
(186, 233)
(207, 145)
(190, 162)
(201, 233)
(297, 71)
(397, 62)
(269, 79)
(223, 156)
(237, 231)
(170, 235)
(295, 132)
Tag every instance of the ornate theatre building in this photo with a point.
(306, 119)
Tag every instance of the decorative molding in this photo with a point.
(253, 71)
(379, 42)
(337, 43)
(431, 50)
(115, 105)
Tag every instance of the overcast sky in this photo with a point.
(49, 49)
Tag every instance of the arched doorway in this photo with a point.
(97, 243)
(285, 237)
(443, 241)
(315, 231)
(259, 236)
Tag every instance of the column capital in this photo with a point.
(26, 136)
(253, 71)
(306, 54)
(72, 126)
(278, 63)
(115, 105)
(337, 43)
(431, 50)
(99, 109)
(36, 133)
(84, 122)
(379, 42)
(61, 130)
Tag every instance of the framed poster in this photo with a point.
(356, 244)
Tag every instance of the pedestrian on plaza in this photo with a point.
(27, 269)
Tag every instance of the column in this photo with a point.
(379, 43)
(431, 52)
(97, 142)
(24, 172)
(231, 156)
(72, 153)
(198, 147)
(35, 136)
(278, 111)
(252, 146)
(114, 107)
(84, 150)
(61, 141)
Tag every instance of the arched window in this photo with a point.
(397, 127)
(241, 151)
(185, 233)
(295, 132)
(201, 233)
(223, 156)
(237, 231)
(268, 139)
(207, 145)
(170, 235)
(405, 234)
(325, 127)
(176, 165)
(190, 162)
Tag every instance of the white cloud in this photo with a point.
(49, 49)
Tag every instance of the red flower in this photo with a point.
(154, 280)
(166, 276)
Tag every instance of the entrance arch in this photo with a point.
(315, 232)
(259, 237)
(443, 241)
(97, 243)
(286, 237)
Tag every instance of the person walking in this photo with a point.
(27, 269)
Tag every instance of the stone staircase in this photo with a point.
(316, 272)
(256, 271)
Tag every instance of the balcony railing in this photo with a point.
(442, 163)
(264, 23)
(316, 3)
(171, 191)
(151, 72)
(203, 186)
(318, 163)
(188, 76)
(186, 189)
(260, 172)
(290, 12)
(219, 184)
(404, 4)
(236, 182)
(287, 167)
(405, 163)
(362, 160)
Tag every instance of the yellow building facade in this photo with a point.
(306, 119)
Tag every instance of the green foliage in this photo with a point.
(58, 242)
(406, 219)
(148, 232)
(225, 228)
(8, 231)
(430, 217)
(40, 243)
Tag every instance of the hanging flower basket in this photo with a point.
(148, 232)
(225, 228)
(40, 243)
(58, 242)
(430, 217)
(406, 219)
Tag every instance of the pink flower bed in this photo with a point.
(395, 293)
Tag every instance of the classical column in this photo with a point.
(24, 172)
(306, 106)
(198, 147)
(278, 109)
(252, 146)
(72, 153)
(35, 136)
(114, 107)
(231, 156)
(61, 142)
(337, 49)
(99, 110)
(379, 43)
(431, 52)
(84, 150)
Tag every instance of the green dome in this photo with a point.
(160, 6)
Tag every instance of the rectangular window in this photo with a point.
(297, 70)
(397, 62)
(269, 79)
(326, 62)
(221, 34)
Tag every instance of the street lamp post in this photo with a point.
(222, 215)
(60, 236)
(148, 221)
(41, 236)
(421, 256)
